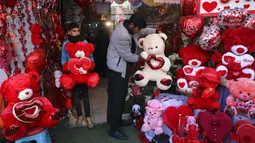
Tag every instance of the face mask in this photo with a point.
(74, 39)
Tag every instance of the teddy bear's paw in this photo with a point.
(165, 83)
(231, 111)
(182, 84)
(145, 128)
(93, 80)
(55, 116)
(15, 131)
(251, 114)
(139, 77)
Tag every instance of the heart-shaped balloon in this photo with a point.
(84, 3)
(210, 39)
(36, 61)
(172, 115)
(79, 66)
(250, 22)
(217, 126)
(191, 26)
(232, 18)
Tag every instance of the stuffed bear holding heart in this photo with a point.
(193, 57)
(79, 67)
(152, 119)
(241, 98)
(236, 62)
(26, 108)
(157, 64)
(206, 96)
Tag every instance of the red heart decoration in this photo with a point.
(188, 70)
(75, 64)
(209, 6)
(245, 131)
(191, 26)
(229, 59)
(181, 84)
(171, 115)
(217, 126)
(158, 59)
(246, 6)
(222, 72)
(9, 3)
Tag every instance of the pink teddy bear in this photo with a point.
(241, 98)
(152, 119)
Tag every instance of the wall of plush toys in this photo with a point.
(216, 83)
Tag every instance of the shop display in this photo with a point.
(157, 64)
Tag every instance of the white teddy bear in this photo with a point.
(157, 64)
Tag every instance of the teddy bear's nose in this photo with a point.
(150, 48)
(240, 50)
(26, 93)
(194, 63)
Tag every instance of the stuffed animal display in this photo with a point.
(26, 108)
(157, 64)
(206, 96)
(237, 61)
(79, 67)
(242, 97)
(193, 57)
(152, 119)
(191, 128)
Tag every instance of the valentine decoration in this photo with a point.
(26, 108)
(243, 132)
(205, 96)
(194, 59)
(236, 62)
(36, 34)
(216, 126)
(241, 99)
(250, 22)
(9, 3)
(191, 26)
(170, 100)
(79, 66)
(36, 61)
(210, 38)
(188, 7)
(214, 7)
(232, 18)
(84, 3)
(157, 64)
(191, 128)
(3, 28)
(152, 119)
(5, 54)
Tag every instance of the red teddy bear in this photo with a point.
(79, 66)
(205, 96)
(193, 57)
(26, 108)
(237, 62)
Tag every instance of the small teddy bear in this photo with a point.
(191, 128)
(241, 98)
(152, 119)
(193, 58)
(236, 62)
(157, 64)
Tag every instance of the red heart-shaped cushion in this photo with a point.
(74, 65)
(171, 115)
(160, 61)
(217, 126)
(245, 131)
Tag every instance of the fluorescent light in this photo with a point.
(108, 23)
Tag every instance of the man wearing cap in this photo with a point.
(121, 52)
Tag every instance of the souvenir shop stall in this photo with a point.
(30, 43)
(214, 102)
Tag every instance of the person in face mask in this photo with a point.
(79, 90)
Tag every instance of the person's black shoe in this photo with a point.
(118, 135)
(125, 123)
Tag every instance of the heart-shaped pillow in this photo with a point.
(79, 66)
(172, 115)
(151, 62)
(245, 131)
(217, 126)
(245, 60)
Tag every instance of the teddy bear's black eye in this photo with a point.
(31, 86)
(249, 94)
(240, 92)
(17, 92)
(156, 46)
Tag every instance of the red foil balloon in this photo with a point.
(210, 38)
(191, 26)
(250, 22)
(5, 54)
(84, 3)
(188, 7)
(36, 61)
(232, 18)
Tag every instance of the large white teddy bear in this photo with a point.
(157, 64)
